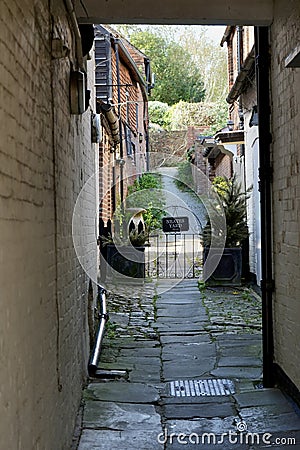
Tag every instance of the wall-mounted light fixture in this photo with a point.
(230, 125)
(96, 128)
(120, 161)
(77, 92)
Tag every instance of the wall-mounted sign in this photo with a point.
(175, 224)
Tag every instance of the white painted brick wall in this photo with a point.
(285, 35)
(251, 169)
(43, 307)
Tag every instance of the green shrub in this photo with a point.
(233, 199)
(146, 193)
(184, 178)
(158, 113)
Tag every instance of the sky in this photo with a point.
(215, 32)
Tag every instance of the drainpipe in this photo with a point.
(120, 121)
(239, 65)
(265, 177)
(147, 152)
(93, 363)
(71, 11)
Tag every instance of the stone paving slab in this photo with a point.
(261, 397)
(119, 318)
(245, 350)
(239, 361)
(197, 338)
(177, 300)
(179, 319)
(215, 425)
(116, 365)
(129, 343)
(122, 392)
(226, 339)
(131, 361)
(179, 327)
(146, 375)
(140, 351)
(192, 411)
(119, 440)
(262, 419)
(189, 348)
(120, 416)
(178, 337)
(191, 369)
(252, 373)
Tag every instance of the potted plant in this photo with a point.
(124, 249)
(123, 242)
(233, 200)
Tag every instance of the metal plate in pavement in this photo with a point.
(198, 388)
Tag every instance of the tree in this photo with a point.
(158, 113)
(187, 64)
(211, 60)
(177, 76)
(233, 199)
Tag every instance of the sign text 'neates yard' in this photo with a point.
(175, 224)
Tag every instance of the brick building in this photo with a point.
(242, 98)
(122, 88)
(46, 157)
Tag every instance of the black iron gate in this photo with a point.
(174, 255)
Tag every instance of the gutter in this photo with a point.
(71, 11)
(226, 35)
(112, 120)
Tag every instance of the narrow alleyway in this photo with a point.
(181, 202)
(192, 366)
(163, 340)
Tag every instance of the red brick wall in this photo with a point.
(132, 110)
(105, 178)
(223, 166)
(127, 84)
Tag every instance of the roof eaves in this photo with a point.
(228, 31)
(239, 83)
(129, 60)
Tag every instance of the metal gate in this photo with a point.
(174, 255)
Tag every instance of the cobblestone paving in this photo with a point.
(166, 332)
(236, 310)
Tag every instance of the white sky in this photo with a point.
(215, 32)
